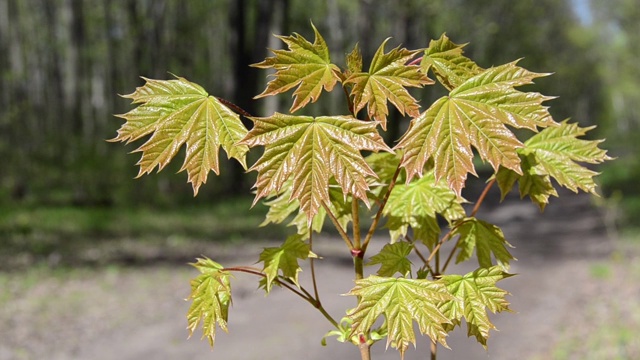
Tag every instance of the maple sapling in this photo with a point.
(313, 169)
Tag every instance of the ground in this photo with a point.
(576, 296)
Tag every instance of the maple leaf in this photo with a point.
(475, 114)
(473, 294)
(285, 259)
(311, 151)
(211, 296)
(555, 152)
(486, 239)
(392, 259)
(416, 204)
(179, 112)
(305, 65)
(401, 301)
(386, 80)
(445, 59)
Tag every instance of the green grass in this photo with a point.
(34, 234)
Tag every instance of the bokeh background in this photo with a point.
(70, 211)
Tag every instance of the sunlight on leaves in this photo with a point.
(474, 293)
(401, 302)
(386, 80)
(211, 297)
(176, 113)
(311, 151)
(304, 65)
(284, 259)
(486, 239)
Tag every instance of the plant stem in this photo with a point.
(355, 214)
(434, 350)
(374, 225)
(335, 222)
(415, 61)
(476, 207)
(234, 107)
(313, 268)
(303, 293)
(365, 349)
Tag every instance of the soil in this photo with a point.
(573, 283)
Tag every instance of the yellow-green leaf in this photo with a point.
(311, 151)
(474, 115)
(285, 259)
(416, 204)
(305, 65)
(473, 294)
(487, 239)
(176, 113)
(386, 80)
(401, 301)
(445, 59)
(211, 297)
(392, 259)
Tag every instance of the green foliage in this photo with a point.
(313, 168)
(211, 297)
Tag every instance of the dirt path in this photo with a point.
(138, 313)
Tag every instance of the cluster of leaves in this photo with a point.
(313, 168)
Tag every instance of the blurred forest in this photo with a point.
(64, 62)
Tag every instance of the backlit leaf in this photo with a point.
(284, 259)
(401, 301)
(474, 293)
(474, 115)
(486, 239)
(555, 152)
(176, 113)
(445, 59)
(386, 80)
(416, 204)
(304, 65)
(392, 259)
(211, 297)
(311, 151)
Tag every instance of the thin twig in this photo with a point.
(355, 214)
(476, 207)
(341, 231)
(255, 271)
(235, 107)
(374, 224)
(313, 268)
(415, 61)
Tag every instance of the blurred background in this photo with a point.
(70, 209)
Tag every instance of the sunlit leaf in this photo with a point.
(555, 153)
(392, 259)
(284, 259)
(416, 204)
(176, 113)
(401, 301)
(304, 65)
(311, 151)
(445, 59)
(211, 297)
(487, 240)
(474, 115)
(386, 80)
(474, 293)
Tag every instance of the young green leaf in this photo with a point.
(311, 151)
(416, 205)
(304, 65)
(401, 301)
(555, 152)
(179, 112)
(354, 61)
(386, 80)
(486, 239)
(474, 293)
(475, 114)
(285, 259)
(393, 259)
(445, 59)
(211, 296)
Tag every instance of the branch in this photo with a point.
(372, 229)
(338, 227)
(234, 107)
(313, 269)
